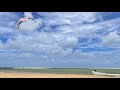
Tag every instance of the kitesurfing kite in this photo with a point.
(23, 20)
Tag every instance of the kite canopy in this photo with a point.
(23, 20)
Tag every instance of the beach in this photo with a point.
(46, 75)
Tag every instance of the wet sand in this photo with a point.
(46, 75)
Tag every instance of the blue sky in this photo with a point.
(60, 39)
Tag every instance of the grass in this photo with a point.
(64, 70)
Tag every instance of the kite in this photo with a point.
(23, 20)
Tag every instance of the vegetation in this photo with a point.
(63, 70)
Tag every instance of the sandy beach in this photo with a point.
(45, 75)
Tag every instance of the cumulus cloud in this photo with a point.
(59, 35)
(45, 38)
(28, 14)
(68, 41)
(111, 40)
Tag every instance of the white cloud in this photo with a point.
(28, 14)
(111, 40)
(44, 37)
(8, 22)
(71, 16)
(4, 29)
(1, 45)
(69, 26)
(71, 32)
(43, 41)
(23, 56)
(69, 21)
(60, 52)
(29, 56)
(8, 16)
(78, 54)
(68, 41)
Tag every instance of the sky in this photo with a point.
(60, 40)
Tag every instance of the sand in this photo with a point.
(46, 75)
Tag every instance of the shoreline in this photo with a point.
(46, 75)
